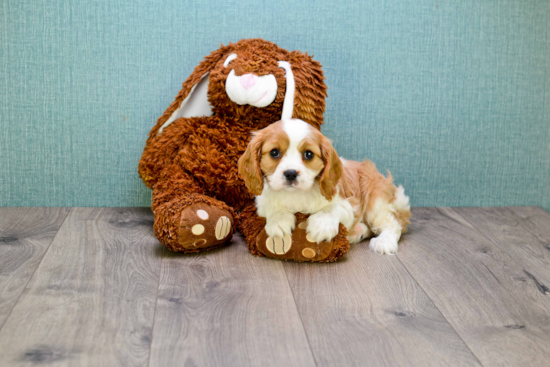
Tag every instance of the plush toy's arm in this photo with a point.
(161, 151)
(174, 183)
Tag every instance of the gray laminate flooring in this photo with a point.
(93, 287)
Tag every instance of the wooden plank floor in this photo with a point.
(93, 287)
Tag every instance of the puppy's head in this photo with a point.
(290, 155)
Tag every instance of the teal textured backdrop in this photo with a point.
(452, 97)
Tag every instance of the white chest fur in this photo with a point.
(291, 200)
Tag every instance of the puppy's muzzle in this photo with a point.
(290, 175)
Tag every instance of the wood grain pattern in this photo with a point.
(91, 301)
(521, 236)
(227, 308)
(25, 234)
(367, 310)
(469, 286)
(535, 220)
(480, 289)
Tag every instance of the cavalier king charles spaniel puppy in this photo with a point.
(291, 167)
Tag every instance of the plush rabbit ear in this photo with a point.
(310, 89)
(192, 100)
(195, 104)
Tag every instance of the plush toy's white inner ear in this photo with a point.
(194, 105)
(288, 104)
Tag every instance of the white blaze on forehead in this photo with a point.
(296, 130)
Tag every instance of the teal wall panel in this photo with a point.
(451, 96)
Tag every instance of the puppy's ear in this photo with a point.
(192, 100)
(328, 181)
(310, 89)
(249, 165)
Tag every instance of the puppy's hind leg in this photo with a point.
(359, 233)
(385, 226)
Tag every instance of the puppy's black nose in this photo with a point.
(291, 175)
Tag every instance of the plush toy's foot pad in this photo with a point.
(203, 226)
(299, 248)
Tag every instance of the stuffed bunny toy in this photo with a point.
(190, 157)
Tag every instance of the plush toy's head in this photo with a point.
(254, 82)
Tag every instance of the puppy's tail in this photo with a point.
(402, 208)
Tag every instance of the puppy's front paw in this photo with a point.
(385, 243)
(322, 227)
(280, 224)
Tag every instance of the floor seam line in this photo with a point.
(35, 269)
(438, 310)
(299, 314)
(155, 311)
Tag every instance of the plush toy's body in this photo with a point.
(190, 158)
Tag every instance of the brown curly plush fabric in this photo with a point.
(193, 160)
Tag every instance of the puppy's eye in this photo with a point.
(275, 153)
(308, 155)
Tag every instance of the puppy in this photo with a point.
(292, 167)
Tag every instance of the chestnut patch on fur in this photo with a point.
(316, 163)
(274, 138)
